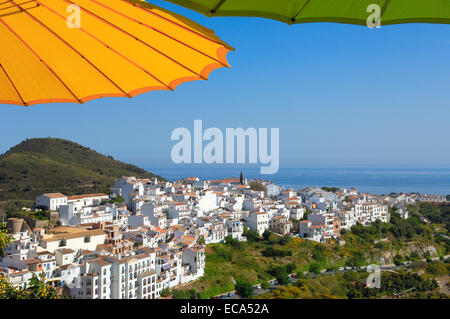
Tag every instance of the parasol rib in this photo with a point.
(384, 8)
(12, 83)
(173, 22)
(40, 59)
(139, 40)
(70, 46)
(217, 6)
(299, 11)
(159, 31)
(119, 54)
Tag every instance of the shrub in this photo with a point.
(437, 268)
(314, 268)
(274, 252)
(244, 288)
(283, 279)
(37, 289)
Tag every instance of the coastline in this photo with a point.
(370, 180)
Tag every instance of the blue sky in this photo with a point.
(341, 95)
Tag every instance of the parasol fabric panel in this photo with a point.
(121, 48)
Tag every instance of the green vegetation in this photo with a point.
(37, 289)
(36, 215)
(180, 294)
(305, 215)
(330, 189)
(351, 284)
(116, 200)
(43, 165)
(267, 257)
(257, 261)
(437, 214)
(274, 252)
(396, 283)
(244, 288)
(4, 239)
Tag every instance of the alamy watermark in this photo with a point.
(235, 146)
(73, 21)
(374, 19)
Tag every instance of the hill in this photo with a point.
(42, 165)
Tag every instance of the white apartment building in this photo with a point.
(235, 229)
(367, 213)
(94, 281)
(73, 215)
(134, 277)
(258, 221)
(51, 201)
(179, 210)
(208, 201)
(348, 218)
(195, 258)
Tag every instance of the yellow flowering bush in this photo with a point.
(38, 289)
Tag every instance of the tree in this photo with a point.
(244, 288)
(284, 240)
(265, 285)
(118, 199)
(165, 292)
(291, 267)
(251, 235)
(257, 186)
(236, 244)
(192, 293)
(398, 260)
(179, 294)
(241, 179)
(314, 268)
(318, 253)
(283, 279)
(266, 234)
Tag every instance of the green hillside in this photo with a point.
(42, 165)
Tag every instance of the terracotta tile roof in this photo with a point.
(75, 197)
(101, 262)
(54, 195)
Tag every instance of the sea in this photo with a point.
(370, 180)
